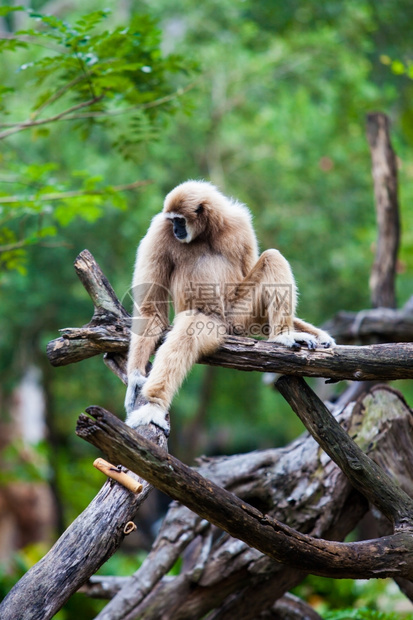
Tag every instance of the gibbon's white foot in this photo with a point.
(325, 340)
(136, 381)
(149, 413)
(294, 340)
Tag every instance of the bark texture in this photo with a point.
(223, 577)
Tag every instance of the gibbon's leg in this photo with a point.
(140, 350)
(192, 336)
(145, 334)
(268, 297)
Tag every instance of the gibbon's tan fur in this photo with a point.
(202, 252)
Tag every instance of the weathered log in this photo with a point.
(384, 170)
(363, 473)
(389, 556)
(298, 484)
(381, 362)
(88, 542)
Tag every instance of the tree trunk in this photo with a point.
(384, 170)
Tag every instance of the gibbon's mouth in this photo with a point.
(184, 239)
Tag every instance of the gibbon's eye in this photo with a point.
(199, 208)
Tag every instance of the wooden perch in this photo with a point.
(297, 484)
(389, 556)
(108, 332)
(363, 473)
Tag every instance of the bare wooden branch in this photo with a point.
(97, 285)
(230, 577)
(389, 556)
(384, 170)
(104, 587)
(108, 332)
(381, 362)
(373, 326)
(89, 542)
(290, 607)
(363, 473)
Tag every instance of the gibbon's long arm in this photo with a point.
(150, 290)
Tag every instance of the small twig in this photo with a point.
(17, 245)
(67, 115)
(58, 117)
(72, 194)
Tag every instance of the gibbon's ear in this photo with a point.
(199, 208)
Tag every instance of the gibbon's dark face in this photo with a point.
(179, 228)
(188, 206)
(187, 221)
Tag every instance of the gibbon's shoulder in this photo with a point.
(158, 228)
(156, 241)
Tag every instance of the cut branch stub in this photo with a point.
(97, 285)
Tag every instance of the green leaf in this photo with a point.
(6, 10)
(86, 23)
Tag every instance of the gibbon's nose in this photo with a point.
(179, 227)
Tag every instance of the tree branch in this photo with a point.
(108, 332)
(389, 556)
(375, 325)
(298, 484)
(381, 362)
(363, 473)
(57, 117)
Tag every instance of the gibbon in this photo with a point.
(201, 252)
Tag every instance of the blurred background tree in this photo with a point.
(267, 99)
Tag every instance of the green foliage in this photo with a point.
(90, 77)
(364, 614)
(23, 464)
(346, 598)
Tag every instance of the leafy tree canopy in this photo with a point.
(110, 83)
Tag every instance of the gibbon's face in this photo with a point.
(185, 208)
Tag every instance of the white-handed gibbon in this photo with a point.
(201, 252)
